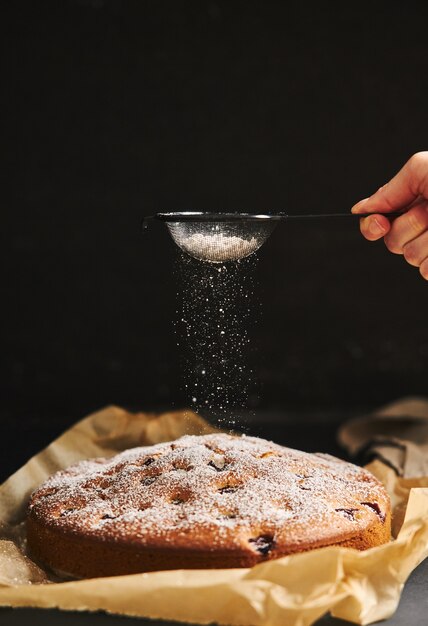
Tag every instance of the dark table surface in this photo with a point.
(311, 431)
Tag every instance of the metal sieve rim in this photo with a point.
(200, 216)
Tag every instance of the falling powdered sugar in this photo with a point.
(217, 309)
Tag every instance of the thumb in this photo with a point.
(410, 183)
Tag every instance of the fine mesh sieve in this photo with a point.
(220, 241)
(221, 237)
(218, 237)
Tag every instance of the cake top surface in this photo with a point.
(214, 491)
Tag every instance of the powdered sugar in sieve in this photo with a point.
(219, 242)
(218, 247)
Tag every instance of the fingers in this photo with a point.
(416, 251)
(406, 192)
(423, 269)
(375, 227)
(406, 228)
(410, 182)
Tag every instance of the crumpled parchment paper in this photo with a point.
(362, 587)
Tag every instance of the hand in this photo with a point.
(408, 233)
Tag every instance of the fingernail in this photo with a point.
(375, 227)
(359, 206)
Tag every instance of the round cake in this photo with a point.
(212, 501)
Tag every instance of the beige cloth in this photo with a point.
(396, 434)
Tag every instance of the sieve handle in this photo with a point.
(225, 217)
(328, 215)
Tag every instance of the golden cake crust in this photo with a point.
(211, 501)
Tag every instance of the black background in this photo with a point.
(114, 109)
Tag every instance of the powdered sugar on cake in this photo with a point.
(213, 489)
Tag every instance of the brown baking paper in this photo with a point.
(362, 587)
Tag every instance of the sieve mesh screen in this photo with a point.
(218, 242)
